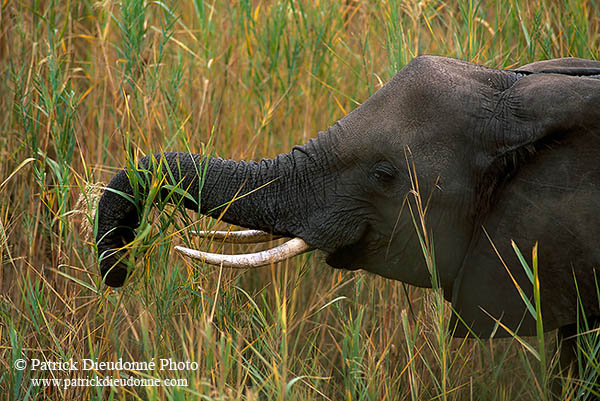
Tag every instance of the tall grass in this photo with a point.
(89, 85)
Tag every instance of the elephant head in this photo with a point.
(483, 149)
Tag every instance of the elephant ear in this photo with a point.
(567, 66)
(540, 106)
(554, 97)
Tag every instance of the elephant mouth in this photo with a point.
(347, 257)
(353, 256)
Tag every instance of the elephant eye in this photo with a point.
(384, 172)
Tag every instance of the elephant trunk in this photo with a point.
(268, 195)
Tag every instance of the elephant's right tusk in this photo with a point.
(238, 237)
(288, 249)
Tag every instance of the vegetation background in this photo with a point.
(87, 85)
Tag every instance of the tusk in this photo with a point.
(238, 237)
(284, 251)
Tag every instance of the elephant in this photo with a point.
(495, 155)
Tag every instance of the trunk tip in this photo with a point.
(113, 274)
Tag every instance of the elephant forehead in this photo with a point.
(456, 73)
(433, 103)
(427, 96)
(363, 133)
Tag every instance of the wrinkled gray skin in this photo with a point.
(514, 153)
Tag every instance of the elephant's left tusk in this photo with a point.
(288, 249)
